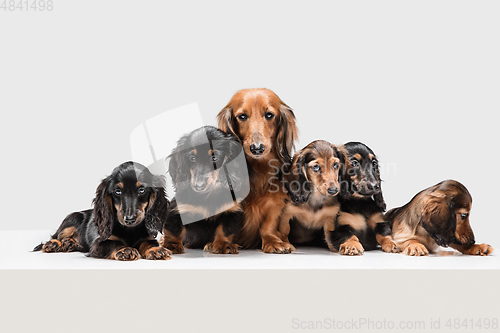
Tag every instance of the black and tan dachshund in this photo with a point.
(313, 183)
(438, 215)
(130, 207)
(360, 225)
(210, 177)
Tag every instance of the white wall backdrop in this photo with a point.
(416, 81)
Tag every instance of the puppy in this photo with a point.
(130, 207)
(360, 225)
(313, 187)
(265, 126)
(210, 178)
(437, 216)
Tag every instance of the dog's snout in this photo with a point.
(332, 190)
(130, 219)
(257, 149)
(373, 186)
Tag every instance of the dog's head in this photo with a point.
(262, 121)
(317, 167)
(198, 158)
(446, 212)
(363, 176)
(131, 195)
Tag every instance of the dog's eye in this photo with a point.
(374, 163)
(141, 190)
(215, 158)
(354, 163)
(192, 158)
(336, 165)
(118, 193)
(464, 216)
(316, 168)
(269, 115)
(242, 117)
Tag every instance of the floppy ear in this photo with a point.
(287, 133)
(346, 186)
(158, 207)
(177, 167)
(226, 121)
(379, 200)
(103, 210)
(439, 218)
(298, 185)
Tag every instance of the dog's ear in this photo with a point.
(439, 217)
(177, 167)
(103, 210)
(297, 182)
(379, 200)
(287, 133)
(346, 186)
(158, 206)
(226, 121)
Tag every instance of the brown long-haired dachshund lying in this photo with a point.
(360, 225)
(265, 125)
(130, 207)
(210, 179)
(438, 215)
(313, 186)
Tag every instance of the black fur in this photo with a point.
(130, 205)
(204, 186)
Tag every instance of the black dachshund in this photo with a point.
(210, 177)
(130, 207)
(360, 225)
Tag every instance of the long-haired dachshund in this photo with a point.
(360, 225)
(265, 125)
(130, 207)
(438, 215)
(209, 180)
(313, 187)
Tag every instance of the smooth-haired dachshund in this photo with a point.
(130, 207)
(360, 225)
(209, 179)
(266, 127)
(313, 184)
(436, 216)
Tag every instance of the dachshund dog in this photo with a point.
(265, 126)
(360, 225)
(209, 180)
(130, 207)
(438, 215)
(313, 187)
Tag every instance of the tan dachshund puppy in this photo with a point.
(437, 216)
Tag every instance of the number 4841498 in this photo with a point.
(469, 323)
(27, 5)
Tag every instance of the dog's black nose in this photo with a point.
(373, 186)
(199, 187)
(257, 150)
(332, 190)
(129, 220)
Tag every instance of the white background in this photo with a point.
(416, 81)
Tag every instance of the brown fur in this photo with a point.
(434, 217)
(321, 208)
(267, 198)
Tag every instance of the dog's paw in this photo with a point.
(351, 248)
(69, 245)
(390, 247)
(126, 254)
(157, 253)
(277, 247)
(416, 249)
(52, 246)
(175, 248)
(222, 248)
(479, 250)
